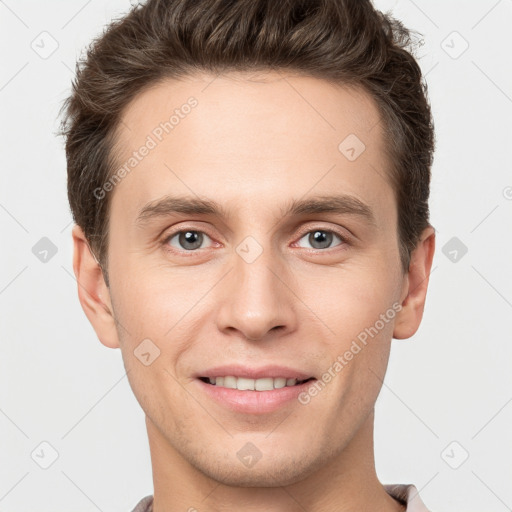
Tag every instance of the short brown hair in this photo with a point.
(341, 41)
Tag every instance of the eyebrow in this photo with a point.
(337, 204)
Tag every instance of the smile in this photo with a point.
(245, 384)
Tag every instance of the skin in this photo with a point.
(252, 144)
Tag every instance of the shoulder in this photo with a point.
(144, 505)
(408, 495)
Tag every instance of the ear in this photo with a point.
(93, 293)
(415, 286)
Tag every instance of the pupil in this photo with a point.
(190, 237)
(323, 238)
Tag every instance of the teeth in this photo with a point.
(242, 383)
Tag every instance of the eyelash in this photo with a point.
(165, 242)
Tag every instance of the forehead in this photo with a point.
(250, 139)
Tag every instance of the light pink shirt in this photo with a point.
(406, 494)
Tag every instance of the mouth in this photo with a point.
(246, 384)
(260, 396)
(254, 390)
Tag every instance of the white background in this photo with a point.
(450, 382)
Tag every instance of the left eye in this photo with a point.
(188, 240)
(321, 238)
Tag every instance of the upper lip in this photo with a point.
(247, 372)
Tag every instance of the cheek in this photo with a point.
(155, 310)
(347, 300)
(356, 305)
(360, 317)
(152, 328)
(149, 303)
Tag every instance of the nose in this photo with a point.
(256, 300)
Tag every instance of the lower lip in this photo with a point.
(254, 402)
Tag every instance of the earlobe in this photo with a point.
(416, 283)
(93, 293)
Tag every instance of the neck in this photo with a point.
(347, 481)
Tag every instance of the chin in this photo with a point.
(242, 477)
(275, 472)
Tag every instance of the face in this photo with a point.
(257, 231)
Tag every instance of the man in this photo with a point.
(249, 181)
